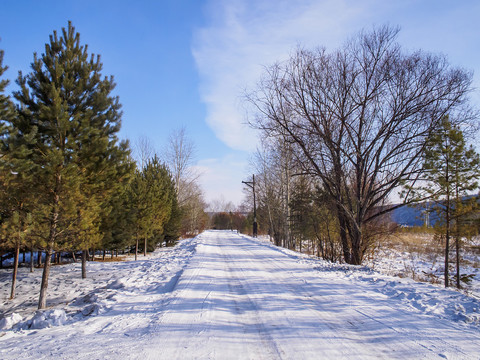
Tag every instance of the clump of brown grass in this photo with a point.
(420, 242)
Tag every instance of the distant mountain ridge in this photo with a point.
(418, 214)
(413, 215)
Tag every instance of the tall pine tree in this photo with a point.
(67, 106)
(451, 172)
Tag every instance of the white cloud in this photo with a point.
(222, 177)
(244, 36)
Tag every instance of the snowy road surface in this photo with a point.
(238, 298)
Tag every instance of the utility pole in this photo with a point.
(251, 184)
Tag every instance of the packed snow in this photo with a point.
(223, 295)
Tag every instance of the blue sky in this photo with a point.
(187, 62)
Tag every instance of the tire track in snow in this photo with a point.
(209, 304)
(239, 298)
(367, 314)
(283, 327)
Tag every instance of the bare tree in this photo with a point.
(194, 218)
(220, 204)
(272, 164)
(179, 156)
(357, 119)
(144, 151)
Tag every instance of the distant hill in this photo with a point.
(411, 215)
(415, 215)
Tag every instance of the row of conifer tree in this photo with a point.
(67, 182)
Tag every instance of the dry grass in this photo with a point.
(420, 242)
(415, 244)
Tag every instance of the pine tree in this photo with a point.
(17, 201)
(68, 107)
(6, 114)
(151, 202)
(15, 182)
(172, 228)
(6, 106)
(160, 197)
(115, 224)
(451, 172)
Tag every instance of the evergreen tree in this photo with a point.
(172, 228)
(6, 106)
(17, 200)
(68, 109)
(138, 211)
(451, 172)
(151, 201)
(115, 225)
(15, 182)
(8, 218)
(163, 200)
(6, 114)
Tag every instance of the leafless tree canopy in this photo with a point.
(357, 119)
(179, 156)
(143, 150)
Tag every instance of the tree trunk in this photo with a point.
(447, 245)
(145, 247)
(356, 250)
(39, 258)
(457, 230)
(73, 257)
(343, 236)
(136, 249)
(15, 270)
(31, 259)
(104, 253)
(447, 221)
(457, 249)
(84, 264)
(42, 301)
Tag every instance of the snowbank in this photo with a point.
(72, 299)
(431, 299)
(7, 322)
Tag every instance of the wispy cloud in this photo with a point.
(244, 36)
(221, 177)
(241, 37)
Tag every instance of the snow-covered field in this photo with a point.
(222, 295)
(420, 257)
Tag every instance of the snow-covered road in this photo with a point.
(238, 298)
